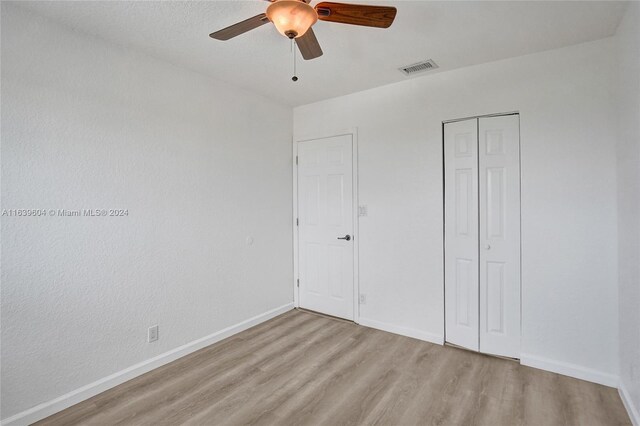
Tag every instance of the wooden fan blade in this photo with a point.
(308, 45)
(240, 27)
(356, 14)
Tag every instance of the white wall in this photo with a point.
(199, 165)
(569, 243)
(628, 79)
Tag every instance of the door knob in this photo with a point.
(346, 237)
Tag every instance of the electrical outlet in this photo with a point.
(363, 299)
(152, 334)
(362, 211)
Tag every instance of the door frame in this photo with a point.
(444, 283)
(353, 132)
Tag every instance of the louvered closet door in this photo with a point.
(461, 233)
(499, 160)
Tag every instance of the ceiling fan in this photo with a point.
(294, 19)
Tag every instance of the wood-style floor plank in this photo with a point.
(305, 369)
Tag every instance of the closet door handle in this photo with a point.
(346, 237)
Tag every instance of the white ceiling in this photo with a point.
(454, 34)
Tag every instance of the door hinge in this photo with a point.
(297, 222)
(296, 160)
(298, 282)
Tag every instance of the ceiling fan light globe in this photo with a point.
(292, 17)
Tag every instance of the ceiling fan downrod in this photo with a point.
(293, 51)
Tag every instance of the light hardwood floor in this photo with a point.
(305, 369)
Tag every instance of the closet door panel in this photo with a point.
(499, 258)
(461, 233)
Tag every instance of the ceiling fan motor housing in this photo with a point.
(292, 18)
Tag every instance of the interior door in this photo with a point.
(325, 214)
(499, 160)
(461, 233)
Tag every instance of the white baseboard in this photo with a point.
(571, 370)
(46, 409)
(404, 331)
(634, 412)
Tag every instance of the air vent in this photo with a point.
(419, 67)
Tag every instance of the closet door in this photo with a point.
(461, 233)
(499, 175)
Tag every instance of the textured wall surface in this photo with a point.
(200, 167)
(569, 244)
(628, 79)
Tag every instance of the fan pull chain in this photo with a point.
(293, 50)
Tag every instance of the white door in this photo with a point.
(482, 234)
(499, 160)
(325, 235)
(461, 233)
